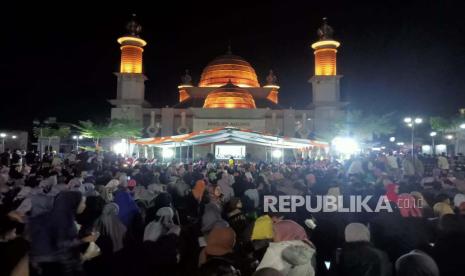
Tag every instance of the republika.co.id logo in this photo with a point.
(330, 203)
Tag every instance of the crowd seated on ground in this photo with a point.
(101, 214)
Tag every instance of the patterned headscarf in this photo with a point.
(408, 206)
(288, 230)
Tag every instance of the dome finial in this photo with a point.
(133, 28)
(229, 52)
(325, 32)
(271, 79)
(230, 84)
(186, 79)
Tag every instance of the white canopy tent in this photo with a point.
(229, 134)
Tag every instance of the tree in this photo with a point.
(125, 129)
(116, 128)
(441, 124)
(457, 120)
(50, 133)
(94, 131)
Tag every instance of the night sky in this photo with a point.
(405, 57)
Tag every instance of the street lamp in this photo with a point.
(277, 153)
(345, 146)
(433, 134)
(449, 137)
(462, 126)
(167, 153)
(3, 135)
(40, 125)
(77, 138)
(411, 123)
(14, 137)
(392, 139)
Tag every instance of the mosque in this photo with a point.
(229, 94)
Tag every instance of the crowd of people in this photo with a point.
(93, 213)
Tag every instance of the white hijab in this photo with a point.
(157, 228)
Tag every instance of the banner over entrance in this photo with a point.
(203, 124)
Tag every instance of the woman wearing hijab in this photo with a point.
(162, 200)
(416, 263)
(55, 243)
(408, 206)
(419, 230)
(211, 218)
(219, 255)
(113, 239)
(161, 225)
(199, 190)
(75, 184)
(426, 210)
(391, 192)
(109, 189)
(288, 230)
(237, 220)
(215, 194)
(194, 202)
(358, 256)
(128, 209)
(161, 238)
(87, 219)
(441, 208)
(112, 229)
(291, 252)
(225, 186)
(459, 199)
(89, 190)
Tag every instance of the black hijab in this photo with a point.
(63, 216)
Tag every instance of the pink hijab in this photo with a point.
(408, 206)
(288, 230)
(391, 192)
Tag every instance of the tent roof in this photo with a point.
(229, 134)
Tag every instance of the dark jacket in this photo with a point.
(448, 253)
(221, 265)
(362, 259)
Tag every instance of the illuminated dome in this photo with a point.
(229, 68)
(229, 96)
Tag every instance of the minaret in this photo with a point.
(325, 82)
(272, 82)
(130, 95)
(186, 82)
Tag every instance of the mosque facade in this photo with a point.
(229, 94)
